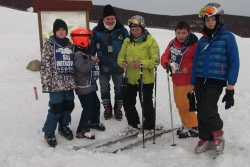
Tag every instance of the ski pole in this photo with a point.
(170, 104)
(142, 104)
(155, 99)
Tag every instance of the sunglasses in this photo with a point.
(209, 11)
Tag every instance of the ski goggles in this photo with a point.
(133, 22)
(209, 11)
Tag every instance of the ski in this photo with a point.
(105, 142)
(124, 146)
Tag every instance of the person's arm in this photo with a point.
(46, 66)
(165, 57)
(154, 52)
(233, 62)
(93, 42)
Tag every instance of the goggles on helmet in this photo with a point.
(133, 22)
(209, 11)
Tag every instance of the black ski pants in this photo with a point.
(209, 120)
(129, 103)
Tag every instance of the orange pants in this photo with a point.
(188, 119)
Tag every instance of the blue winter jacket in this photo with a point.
(107, 45)
(216, 58)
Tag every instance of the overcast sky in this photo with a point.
(178, 7)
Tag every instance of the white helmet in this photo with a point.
(211, 9)
(136, 21)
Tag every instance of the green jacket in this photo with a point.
(146, 52)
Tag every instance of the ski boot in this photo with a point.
(50, 139)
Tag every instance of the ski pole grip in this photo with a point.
(35, 92)
(167, 67)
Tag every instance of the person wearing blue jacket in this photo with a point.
(215, 65)
(108, 37)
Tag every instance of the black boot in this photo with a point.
(117, 110)
(107, 108)
(98, 126)
(65, 131)
(50, 139)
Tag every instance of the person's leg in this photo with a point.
(149, 111)
(105, 94)
(87, 103)
(95, 123)
(65, 119)
(55, 111)
(209, 119)
(190, 118)
(117, 80)
(209, 122)
(129, 102)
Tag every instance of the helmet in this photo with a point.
(136, 21)
(81, 37)
(211, 9)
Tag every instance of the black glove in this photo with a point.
(228, 98)
(168, 68)
(192, 102)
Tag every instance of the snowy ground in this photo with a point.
(21, 137)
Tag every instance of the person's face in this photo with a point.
(181, 35)
(210, 22)
(109, 20)
(136, 31)
(61, 33)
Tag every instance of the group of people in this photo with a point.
(200, 69)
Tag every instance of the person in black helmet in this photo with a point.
(216, 65)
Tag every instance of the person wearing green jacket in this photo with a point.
(139, 47)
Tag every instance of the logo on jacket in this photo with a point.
(120, 37)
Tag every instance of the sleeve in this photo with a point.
(165, 56)
(93, 42)
(233, 60)
(46, 65)
(81, 65)
(189, 65)
(154, 52)
(193, 73)
(122, 54)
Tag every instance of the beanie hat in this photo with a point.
(58, 23)
(108, 11)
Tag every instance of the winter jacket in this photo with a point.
(216, 58)
(50, 79)
(146, 52)
(83, 66)
(107, 45)
(181, 79)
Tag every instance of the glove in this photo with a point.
(192, 102)
(168, 68)
(228, 98)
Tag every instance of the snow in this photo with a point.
(22, 117)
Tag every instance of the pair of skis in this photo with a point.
(121, 146)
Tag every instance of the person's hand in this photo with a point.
(185, 71)
(228, 98)
(135, 64)
(124, 65)
(95, 59)
(191, 90)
